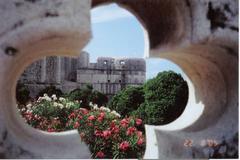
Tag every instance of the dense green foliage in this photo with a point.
(99, 98)
(166, 96)
(87, 95)
(127, 100)
(161, 99)
(50, 90)
(22, 94)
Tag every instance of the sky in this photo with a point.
(117, 33)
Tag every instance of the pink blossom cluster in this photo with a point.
(106, 134)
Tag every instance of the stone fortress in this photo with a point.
(108, 75)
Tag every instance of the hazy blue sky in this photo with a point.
(117, 33)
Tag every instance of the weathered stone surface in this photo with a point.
(201, 36)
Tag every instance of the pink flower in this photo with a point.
(98, 133)
(91, 117)
(139, 133)
(115, 129)
(112, 124)
(124, 146)
(50, 130)
(76, 125)
(72, 115)
(106, 134)
(102, 114)
(79, 117)
(90, 124)
(124, 122)
(140, 141)
(100, 119)
(138, 122)
(130, 131)
(100, 154)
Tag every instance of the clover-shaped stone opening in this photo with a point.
(214, 84)
(56, 83)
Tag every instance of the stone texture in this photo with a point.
(201, 36)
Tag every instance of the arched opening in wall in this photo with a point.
(166, 91)
(119, 34)
(62, 101)
(111, 26)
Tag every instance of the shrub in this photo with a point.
(87, 95)
(166, 96)
(22, 94)
(49, 113)
(50, 90)
(80, 95)
(106, 134)
(140, 113)
(99, 98)
(127, 100)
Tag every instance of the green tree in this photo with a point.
(165, 96)
(99, 98)
(127, 100)
(50, 90)
(22, 94)
(87, 94)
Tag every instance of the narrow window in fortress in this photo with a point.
(122, 62)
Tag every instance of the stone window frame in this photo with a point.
(198, 60)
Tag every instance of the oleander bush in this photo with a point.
(107, 135)
(49, 113)
(103, 130)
